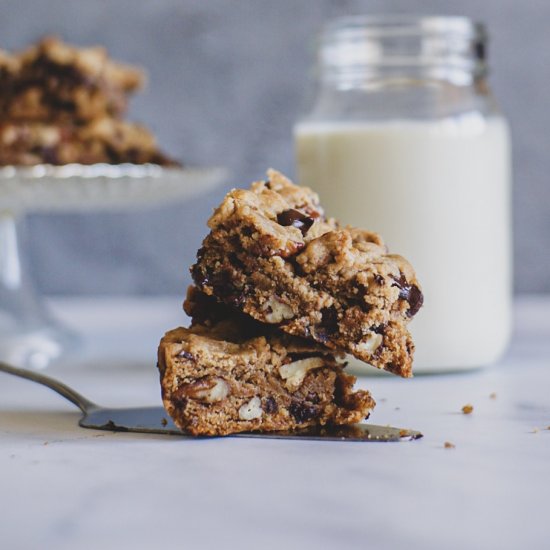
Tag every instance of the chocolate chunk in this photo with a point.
(295, 218)
(179, 399)
(313, 398)
(328, 326)
(50, 156)
(302, 412)
(221, 282)
(329, 319)
(378, 279)
(410, 293)
(270, 405)
(186, 355)
(296, 356)
(200, 275)
(415, 299)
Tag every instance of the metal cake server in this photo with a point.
(154, 420)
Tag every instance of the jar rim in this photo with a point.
(354, 49)
(401, 24)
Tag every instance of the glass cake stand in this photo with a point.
(29, 336)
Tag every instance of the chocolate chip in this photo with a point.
(379, 329)
(410, 293)
(330, 319)
(415, 299)
(302, 412)
(297, 356)
(199, 274)
(295, 218)
(328, 325)
(186, 355)
(179, 400)
(236, 299)
(313, 398)
(378, 279)
(221, 282)
(50, 156)
(270, 405)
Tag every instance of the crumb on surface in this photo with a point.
(164, 422)
(493, 395)
(534, 430)
(449, 445)
(468, 409)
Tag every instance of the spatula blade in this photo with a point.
(155, 420)
(137, 419)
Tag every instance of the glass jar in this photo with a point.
(404, 138)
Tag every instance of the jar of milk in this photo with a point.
(404, 138)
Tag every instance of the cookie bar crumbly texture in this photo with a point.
(273, 254)
(57, 81)
(218, 380)
(102, 140)
(60, 104)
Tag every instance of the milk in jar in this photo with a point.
(423, 161)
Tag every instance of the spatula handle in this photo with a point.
(62, 389)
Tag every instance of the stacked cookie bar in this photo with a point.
(60, 104)
(281, 294)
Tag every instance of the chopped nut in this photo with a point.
(449, 445)
(276, 311)
(468, 409)
(371, 343)
(251, 410)
(294, 373)
(208, 389)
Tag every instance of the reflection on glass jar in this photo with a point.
(404, 138)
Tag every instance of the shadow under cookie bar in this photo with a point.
(272, 254)
(217, 381)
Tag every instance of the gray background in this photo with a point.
(227, 80)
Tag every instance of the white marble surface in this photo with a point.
(65, 487)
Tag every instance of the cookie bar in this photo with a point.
(102, 140)
(56, 81)
(218, 380)
(60, 104)
(273, 254)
